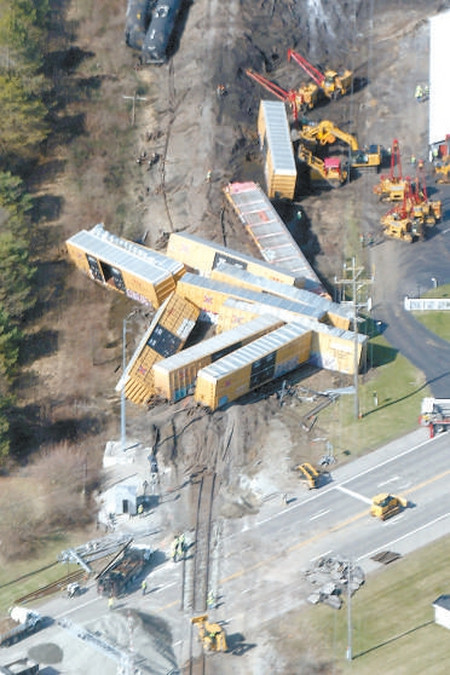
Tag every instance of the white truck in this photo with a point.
(20, 623)
(435, 414)
(23, 666)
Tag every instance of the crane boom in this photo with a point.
(274, 89)
(309, 69)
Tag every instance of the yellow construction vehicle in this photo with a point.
(332, 170)
(211, 635)
(391, 188)
(332, 83)
(442, 170)
(398, 226)
(385, 505)
(325, 132)
(309, 474)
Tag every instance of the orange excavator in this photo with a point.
(299, 100)
(391, 188)
(330, 82)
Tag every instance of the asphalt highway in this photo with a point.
(258, 562)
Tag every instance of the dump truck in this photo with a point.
(435, 414)
(20, 623)
(310, 475)
(386, 505)
(24, 666)
(211, 635)
(117, 577)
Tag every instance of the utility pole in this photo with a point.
(352, 278)
(134, 98)
(123, 428)
(349, 612)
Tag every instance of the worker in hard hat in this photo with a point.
(418, 93)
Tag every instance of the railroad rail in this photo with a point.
(50, 589)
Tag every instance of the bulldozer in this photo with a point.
(332, 83)
(331, 170)
(386, 505)
(211, 635)
(309, 474)
(442, 170)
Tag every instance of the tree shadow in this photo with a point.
(393, 639)
(37, 345)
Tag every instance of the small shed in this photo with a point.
(441, 608)
(121, 499)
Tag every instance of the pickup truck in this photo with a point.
(23, 666)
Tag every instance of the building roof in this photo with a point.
(278, 137)
(126, 255)
(439, 102)
(442, 601)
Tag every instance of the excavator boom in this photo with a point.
(274, 89)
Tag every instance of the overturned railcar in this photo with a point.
(137, 21)
(160, 31)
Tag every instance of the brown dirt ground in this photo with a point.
(91, 176)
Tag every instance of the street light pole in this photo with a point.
(123, 430)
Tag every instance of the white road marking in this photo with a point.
(325, 491)
(320, 514)
(356, 495)
(404, 536)
(321, 555)
(163, 588)
(77, 607)
(389, 480)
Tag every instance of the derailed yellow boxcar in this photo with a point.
(134, 270)
(174, 377)
(203, 255)
(275, 142)
(167, 335)
(332, 348)
(209, 295)
(269, 357)
(333, 313)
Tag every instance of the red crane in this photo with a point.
(332, 84)
(314, 73)
(395, 161)
(292, 97)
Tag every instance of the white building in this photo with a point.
(439, 104)
(441, 608)
(121, 499)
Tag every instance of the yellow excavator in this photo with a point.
(211, 635)
(385, 505)
(327, 133)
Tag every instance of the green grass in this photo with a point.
(9, 572)
(399, 389)
(392, 618)
(436, 322)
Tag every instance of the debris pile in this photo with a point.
(331, 578)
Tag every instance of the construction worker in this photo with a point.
(111, 602)
(211, 600)
(140, 510)
(144, 587)
(209, 176)
(418, 93)
(174, 550)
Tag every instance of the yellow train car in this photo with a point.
(166, 335)
(174, 377)
(269, 357)
(203, 255)
(270, 234)
(209, 295)
(134, 270)
(280, 170)
(332, 348)
(333, 313)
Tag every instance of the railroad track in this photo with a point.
(196, 564)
